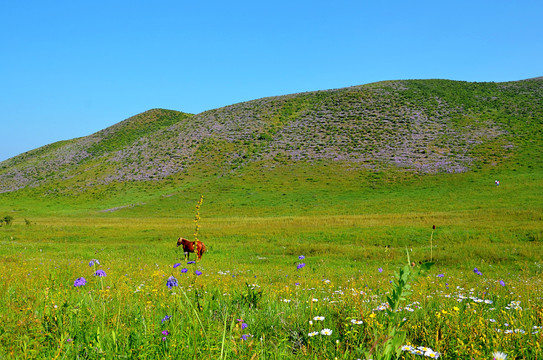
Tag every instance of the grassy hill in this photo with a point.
(300, 152)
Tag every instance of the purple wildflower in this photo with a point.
(243, 326)
(441, 275)
(300, 266)
(502, 283)
(166, 318)
(184, 270)
(380, 270)
(244, 337)
(301, 257)
(164, 338)
(80, 282)
(100, 273)
(172, 281)
(176, 265)
(191, 262)
(477, 271)
(165, 332)
(198, 272)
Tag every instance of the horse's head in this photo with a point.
(181, 241)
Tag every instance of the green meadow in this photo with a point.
(355, 223)
(302, 263)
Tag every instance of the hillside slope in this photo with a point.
(425, 126)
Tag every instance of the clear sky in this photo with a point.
(71, 68)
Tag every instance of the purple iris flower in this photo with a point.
(80, 282)
(93, 262)
(172, 281)
(100, 273)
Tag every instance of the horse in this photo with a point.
(188, 247)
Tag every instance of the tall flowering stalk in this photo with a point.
(431, 243)
(197, 219)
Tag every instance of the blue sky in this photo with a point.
(71, 68)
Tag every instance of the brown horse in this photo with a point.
(188, 247)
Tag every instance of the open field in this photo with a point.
(313, 202)
(253, 300)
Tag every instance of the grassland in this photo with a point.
(267, 204)
(255, 227)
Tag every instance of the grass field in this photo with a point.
(253, 298)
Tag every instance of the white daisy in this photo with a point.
(499, 355)
(326, 332)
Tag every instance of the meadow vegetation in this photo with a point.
(309, 254)
(253, 298)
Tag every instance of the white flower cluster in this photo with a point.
(421, 350)
(514, 305)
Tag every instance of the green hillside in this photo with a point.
(315, 152)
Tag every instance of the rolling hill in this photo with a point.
(406, 128)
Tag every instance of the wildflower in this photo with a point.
(166, 318)
(475, 270)
(502, 283)
(431, 354)
(172, 281)
(407, 348)
(176, 265)
(94, 261)
(80, 282)
(499, 355)
(68, 340)
(244, 337)
(380, 270)
(184, 270)
(300, 266)
(165, 332)
(243, 326)
(311, 334)
(191, 262)
(326, 332)
(100, 273)
(441, 275)
(297, 284)
(198, 273)
(318, 318)
(301, 257)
